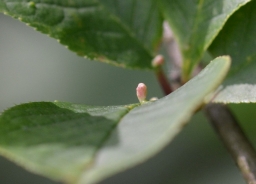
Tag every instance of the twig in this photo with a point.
(175, 63)
(163, 81)
(157, 64)
(234, 139)
(222, 119)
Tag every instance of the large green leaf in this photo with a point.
(57, 139)
(124, 33)
(195, 24)
(238, 39)
(85, 144)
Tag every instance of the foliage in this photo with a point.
(76, 143)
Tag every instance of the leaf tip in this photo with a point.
(226, 57)
(228, 60)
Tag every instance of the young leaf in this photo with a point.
(195, 24)
(124, 33)
(85, 144)
(238, 39)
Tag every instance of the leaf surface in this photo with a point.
(238, 39)
(150, 127)
(123, 33)
(195, 24)
(85, 144)
(58, 140)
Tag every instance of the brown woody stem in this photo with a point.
(234, 139)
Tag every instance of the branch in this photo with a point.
(163, 81)
(157, 64)
(222, 119)
(175, 63)
(234, 139)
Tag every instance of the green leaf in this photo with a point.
(195, 24)
(148, 128)
(58, 140)
(123, 33)
(85, 144)
(238, 39)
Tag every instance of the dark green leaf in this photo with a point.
(148, 128)
(58, 140)
(124, 33)
(238, 39)
(195, 25)
(85, 144)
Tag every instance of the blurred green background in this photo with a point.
(34, 67)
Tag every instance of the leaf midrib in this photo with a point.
(90, 165)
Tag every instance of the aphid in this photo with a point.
(141, 92)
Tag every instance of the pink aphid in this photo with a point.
(141, 91)
(158, 61)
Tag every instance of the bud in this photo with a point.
(141, 91)
(158, 61)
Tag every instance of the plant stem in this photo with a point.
(163, 81)
(175, 64)
(234, 139)
(221, 118)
